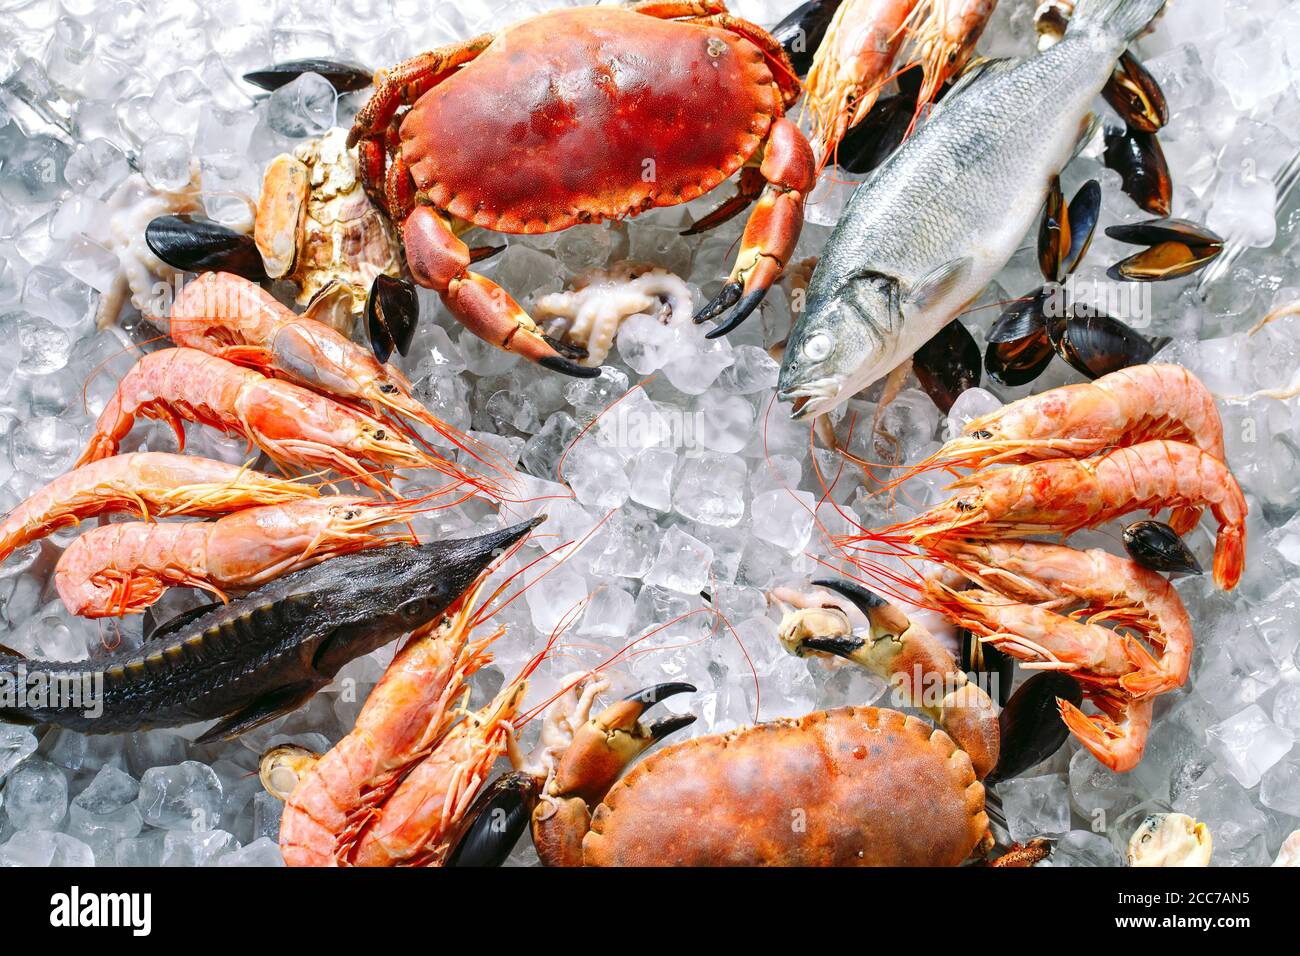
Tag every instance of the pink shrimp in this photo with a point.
(944, 35)
(1117, 735)
(152, 483)
(293, 425)
(1063, 495)
(232, 318)
(1105, 587)
(123, 568)
(330, 799)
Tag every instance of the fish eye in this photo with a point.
(412, 610)
(819, 346)
(982, 434)
(388, 388)
(380, 435)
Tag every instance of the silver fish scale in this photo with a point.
(978, 168)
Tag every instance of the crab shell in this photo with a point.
(855, 786)
(315, 223)
(637, 112)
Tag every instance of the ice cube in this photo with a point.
(1035, 806)
(16, 745)
(36, 795)
(1097, 793)
(1286, 713)
(711, 490)
(197, 848)
(751, 370)
(261, 852)
(96, 168)
(166, 163)
(596, 475)
(558, 595)
(651, 478)
(1248, 743)
(698, 361)
(683, 563)
(184, 797)
(724, 423)
(45, 447)
(64, 297)
(1279, 788)
(784, 517)
(105, 813)
(45, 848)
(971, 404)
(609, 614)
(1084, 848)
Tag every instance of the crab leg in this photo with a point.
(440, 261)
(773, 229)
(602, 748)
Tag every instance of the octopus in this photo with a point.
(132, 206)
(587, 316)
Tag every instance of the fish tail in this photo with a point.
(1121, 19)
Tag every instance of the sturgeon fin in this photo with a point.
(981, 67)
(269, 706)
(936, 284)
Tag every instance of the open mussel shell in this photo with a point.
(1096, 344)
(1032, 729)
(1143, 171)
(496, 820)
(1176, 247)
(801, 32)
(978, 657)
(196, 244)
(392, 312)
(344, 77)
(1066, 231)
(948, 364)
(1136, 96)
(1018, 347)
(1155, 545)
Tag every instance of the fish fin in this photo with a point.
(7, 651)
(269, 706)
(1087, 130)
(1122, 19)
(153, 629)
(936, 284)
(334, 651)
(981, 67)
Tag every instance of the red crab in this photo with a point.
(577, 116)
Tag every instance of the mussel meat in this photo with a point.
(948, 364)
(1140, 162)
(1096, 344)
(1176, 247)
(801, 32)
(1136, 96)
(1032, 729)
(1018, 347)
(344, 77)
(392, 312)
(496, 820)
(193, 243)
(1155, 545)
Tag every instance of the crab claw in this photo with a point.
(496, 820)
(601, 749)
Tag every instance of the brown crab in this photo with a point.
(578, 116)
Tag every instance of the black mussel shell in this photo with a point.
(978, 657)
(1018, 347)
(196, 244)
(392, 313)
(1053, 233)
(1136, 96)
(881, 131)
(1154, 231)
(948, 364)
(1032, 729)
(1065, 232)
(344, 77)
(1140, 162)
(801, 32)
(495, 821)
(1155, 545)
(1096, 344)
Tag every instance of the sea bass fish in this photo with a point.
(921, 238)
